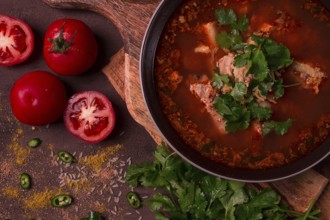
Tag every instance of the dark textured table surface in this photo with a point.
(96, 180)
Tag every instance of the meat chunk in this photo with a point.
(202, 49)
(207, 34)
(239, 74)
(206, 93)
(310, 77)
(210, 30)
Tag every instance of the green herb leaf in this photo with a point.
(231, 41)
(225, 17)
(243, 23)
(217, 81)
(279, 127)
(195, 195)
(259, 112)
(278, 89)
(222, 104)
(242, 59)
(259, 67)
(277, 55)
(239, 91)
(265, 88)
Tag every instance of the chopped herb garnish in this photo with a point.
(259, 112)
(231, 40)
(239, 91)
(229, 17)
(262, 59)
(279, 127)
(278, 89)
(277, 55)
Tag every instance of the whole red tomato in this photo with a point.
(89, 116)
(70, 47)
(16, 41)
(38, 98)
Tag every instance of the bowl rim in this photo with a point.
(146, 67)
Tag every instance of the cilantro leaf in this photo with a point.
(265, 87)
(229, 17)
(259, 112)
(264, 199)
(242, 59)
(239, 91)
(235, 114)
(277, 55)
(238, 120)
(225, 17)
(219, 80)
(231, 41)
(235, 196)
(278, 89)
(259, 67)
(242, 23)
(224, 40)
(279, 127)
(222, 104)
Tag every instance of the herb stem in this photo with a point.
(292, 85)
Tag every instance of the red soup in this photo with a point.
(245, 83)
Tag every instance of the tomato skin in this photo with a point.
(79, 56)
(38, 98)
(89, 116)
(17, 37)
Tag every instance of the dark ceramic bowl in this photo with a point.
(149, 47)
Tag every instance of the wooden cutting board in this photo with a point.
(131, 18)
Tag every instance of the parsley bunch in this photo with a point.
(263, 59)
(190, 194)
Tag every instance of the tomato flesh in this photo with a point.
(38, 98)
(89, 116)
(16, 41)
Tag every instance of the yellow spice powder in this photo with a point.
(10, 192)
(100, 208)
(41, 199)
(77, 183)
(97, 161)
(19, 151)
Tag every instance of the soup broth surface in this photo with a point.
(303, 26)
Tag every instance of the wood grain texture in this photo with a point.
(300, 191)
(123, 73)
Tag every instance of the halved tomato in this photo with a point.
(89, 116)
(16, 40)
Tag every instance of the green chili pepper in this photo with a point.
(34, 142)
(62, 200)
(65, 156)
(133, 200)
(25, 181)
